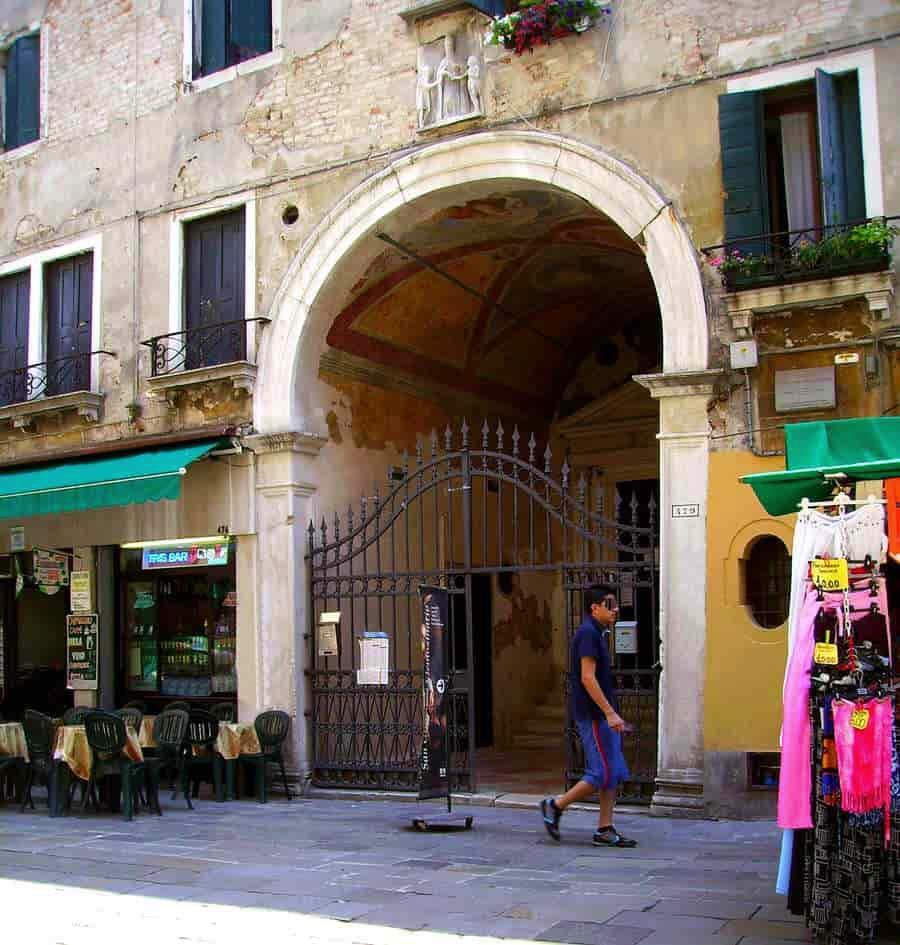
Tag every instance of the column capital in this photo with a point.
(679, 383)
(309, 444)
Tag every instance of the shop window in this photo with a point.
(21, 92)
(228, 32)
(792, 157)
(767, 581)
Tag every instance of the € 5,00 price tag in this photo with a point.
(860, 719)
(831, 574)
(826, 654)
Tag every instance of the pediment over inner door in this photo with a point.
(615, 434)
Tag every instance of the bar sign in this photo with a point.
(691, 510)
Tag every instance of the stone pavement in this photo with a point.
(316, 870)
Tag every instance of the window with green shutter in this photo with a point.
(792, 158)
(227, 32)
(22, 93)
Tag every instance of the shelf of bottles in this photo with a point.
(180, 636)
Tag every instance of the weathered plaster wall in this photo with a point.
(343, 95)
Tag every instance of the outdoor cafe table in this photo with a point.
(12, 741)
(13, 745)
(72, 753)
(235, 739)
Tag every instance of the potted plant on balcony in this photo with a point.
(539, 22)
(860, 248)
(739, 269)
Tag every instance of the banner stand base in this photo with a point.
(443, 823)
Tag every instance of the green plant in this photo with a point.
(866, 241)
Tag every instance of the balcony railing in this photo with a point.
(208, 346)
(66, 375)
(823, 252)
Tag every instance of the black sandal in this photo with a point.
(612, 838)
(551, 815)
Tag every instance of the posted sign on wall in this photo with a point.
(82, 634)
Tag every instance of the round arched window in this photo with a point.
(767, 581)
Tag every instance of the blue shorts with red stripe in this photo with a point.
(604, 763)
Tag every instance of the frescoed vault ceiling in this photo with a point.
(562, 285)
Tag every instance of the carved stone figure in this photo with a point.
(473, 83)
(451, 67)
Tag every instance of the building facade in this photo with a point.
(275, 246)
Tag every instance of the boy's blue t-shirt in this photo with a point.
(590, 640)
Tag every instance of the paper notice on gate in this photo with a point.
(373, 662)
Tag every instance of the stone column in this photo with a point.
(286, 479)
(684, 457)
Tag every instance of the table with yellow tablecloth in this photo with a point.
(236, 739)
(73, 750)
(12, 741)
(145, 736)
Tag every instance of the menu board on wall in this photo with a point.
(82, 635)
(51, 568)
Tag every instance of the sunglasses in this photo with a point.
(610, 603)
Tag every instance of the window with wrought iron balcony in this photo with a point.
(800, 182)
(212, 292)
(49, 336)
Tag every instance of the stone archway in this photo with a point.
(302, 314)
(299, 325)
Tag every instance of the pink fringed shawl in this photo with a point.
(864, 757)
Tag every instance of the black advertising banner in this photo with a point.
(82, 631)
(434, 779)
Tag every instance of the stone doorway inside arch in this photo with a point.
(487, 313)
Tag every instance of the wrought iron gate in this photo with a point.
(450, 513)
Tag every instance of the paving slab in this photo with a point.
(758, 928)
(708, 908)
(649, 920)
(593, 933)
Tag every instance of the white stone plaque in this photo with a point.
(805, 389)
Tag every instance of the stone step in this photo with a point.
(552, 709)
(536, 742)
(544, 726)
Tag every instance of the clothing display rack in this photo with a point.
(839, 793)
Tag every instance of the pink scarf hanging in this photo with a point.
(864, 756)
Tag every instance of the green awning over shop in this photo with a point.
(865, 448)
(95, 483)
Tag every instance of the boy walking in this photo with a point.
(593, 707)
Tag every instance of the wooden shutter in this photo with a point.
(831, 151)
(23, 92)
(69, 288)
(14, 309)
(847, 88)
(251, 29)
(742, 142)
(214, 290)
(213, 34)
(491, 7)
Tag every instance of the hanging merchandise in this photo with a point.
(839, 788)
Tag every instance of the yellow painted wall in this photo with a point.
(744, 663)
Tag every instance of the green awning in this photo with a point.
(864, 448)
(96, 483)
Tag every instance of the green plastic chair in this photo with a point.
(170, 734)
(272, 729)
(204, 763)
(107, 737)
(40, 736)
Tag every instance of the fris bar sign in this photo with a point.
(184, 556)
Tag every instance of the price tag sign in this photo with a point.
(831, 574)
(860, 719)
(826, 654)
